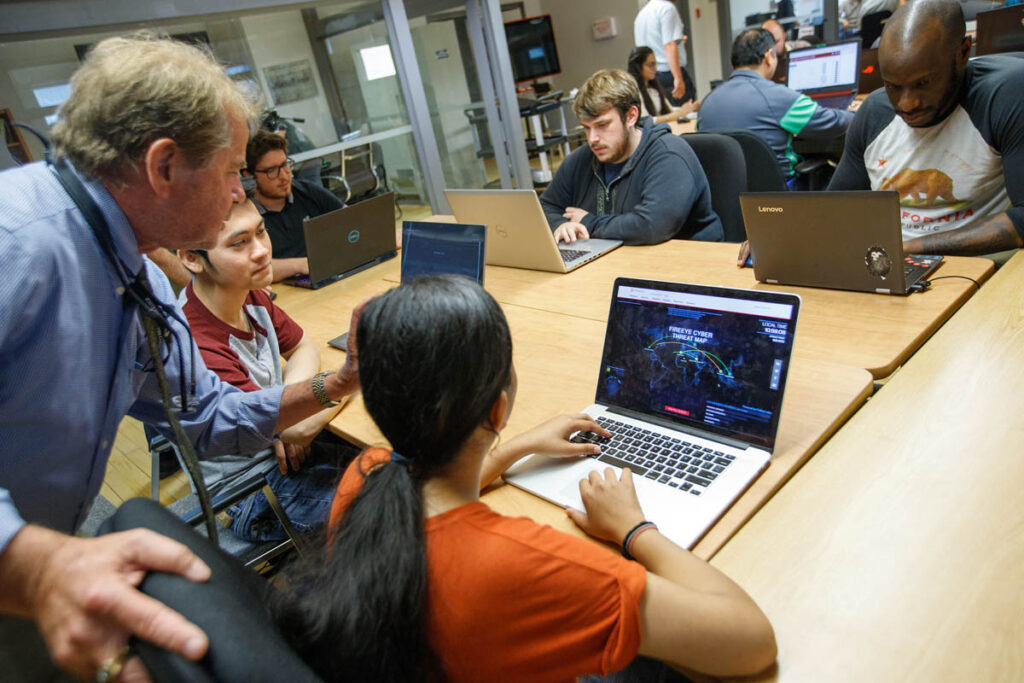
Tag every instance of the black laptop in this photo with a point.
(348, 240)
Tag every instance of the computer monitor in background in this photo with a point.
(443, 249)
(532, 48)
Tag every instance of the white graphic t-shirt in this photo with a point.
(957, 173)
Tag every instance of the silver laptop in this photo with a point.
(348, 240)
(518, 234)
(690, 385)
(837, 240)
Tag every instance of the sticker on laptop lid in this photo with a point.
(878, 262)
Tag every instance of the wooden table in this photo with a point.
(897, 553)
(873, 331)
(557, 358)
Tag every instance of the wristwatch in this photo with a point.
(320, 392)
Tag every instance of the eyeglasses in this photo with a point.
(273, 171)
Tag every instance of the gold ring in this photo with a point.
(110, 669)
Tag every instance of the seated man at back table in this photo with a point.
(284, 202)
(633, 181)
(242, 337)
(751, 101)
(946, 133)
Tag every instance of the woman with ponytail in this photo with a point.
(422, 581)
(643, 67)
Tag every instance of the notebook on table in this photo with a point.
(827, 73)
(518, 235)
(836, 240)
(438, 248)
(690, 385)
(348, 240)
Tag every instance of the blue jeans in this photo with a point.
(306, 495)
(640, 670)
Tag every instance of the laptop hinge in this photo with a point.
(882, 291)
(771, 281)
(669, 424)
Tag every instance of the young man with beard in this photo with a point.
(634, 180)
(284, 201)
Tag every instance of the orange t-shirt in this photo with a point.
(516, 601)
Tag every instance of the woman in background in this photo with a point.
(653, 98)
(423, 581)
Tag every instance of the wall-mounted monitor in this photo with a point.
(532, 49)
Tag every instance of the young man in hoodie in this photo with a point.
(634, 181)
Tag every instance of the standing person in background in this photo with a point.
(659, 26)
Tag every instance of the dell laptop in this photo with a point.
(690, 386)
(837, 240)
(827, 73)
(518, 234)
(348, 240)
(435, 249)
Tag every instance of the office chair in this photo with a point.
(871, 26)
(252, 554)
(230, 608)
(360, 174)
(763, 172)
(721, 157)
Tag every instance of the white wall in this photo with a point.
(280, 37)
(581, 55)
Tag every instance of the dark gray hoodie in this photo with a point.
(661, 193)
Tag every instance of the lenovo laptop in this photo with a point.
(348, 240)
(518, 235)
(1000, 30)
(837, 240)
(827, 73)
(437, 248)
(690, 385)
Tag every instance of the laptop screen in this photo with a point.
(709, 358)
(829, 66)
(443, 248)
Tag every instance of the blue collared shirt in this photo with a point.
(74, 359)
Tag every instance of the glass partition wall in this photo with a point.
(408, 94)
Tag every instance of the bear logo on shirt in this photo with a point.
(912, 184)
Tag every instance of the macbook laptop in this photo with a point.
(827, 73)
(1000, 30)
(518, 235)
(348, 240)
(838, 240)
(437, 248)
(690, 385)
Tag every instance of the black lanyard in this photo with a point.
(156, 317)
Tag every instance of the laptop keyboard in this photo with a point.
(570, 255)
(919, 265)
(667, 460)
(834, 102)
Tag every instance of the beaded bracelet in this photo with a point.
(627, 542)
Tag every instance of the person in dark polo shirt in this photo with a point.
(284, 201)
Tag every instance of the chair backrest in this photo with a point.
(721, 157)
(871, 26)
(230, 608)
(763, 172)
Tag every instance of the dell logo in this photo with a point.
(769, 209)
(353, 236)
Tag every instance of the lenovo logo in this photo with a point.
(769, 209)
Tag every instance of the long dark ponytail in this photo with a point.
(637, 57)
(434, 356)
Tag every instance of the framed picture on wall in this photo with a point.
(290, 82)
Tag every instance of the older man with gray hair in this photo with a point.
(148, 150)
